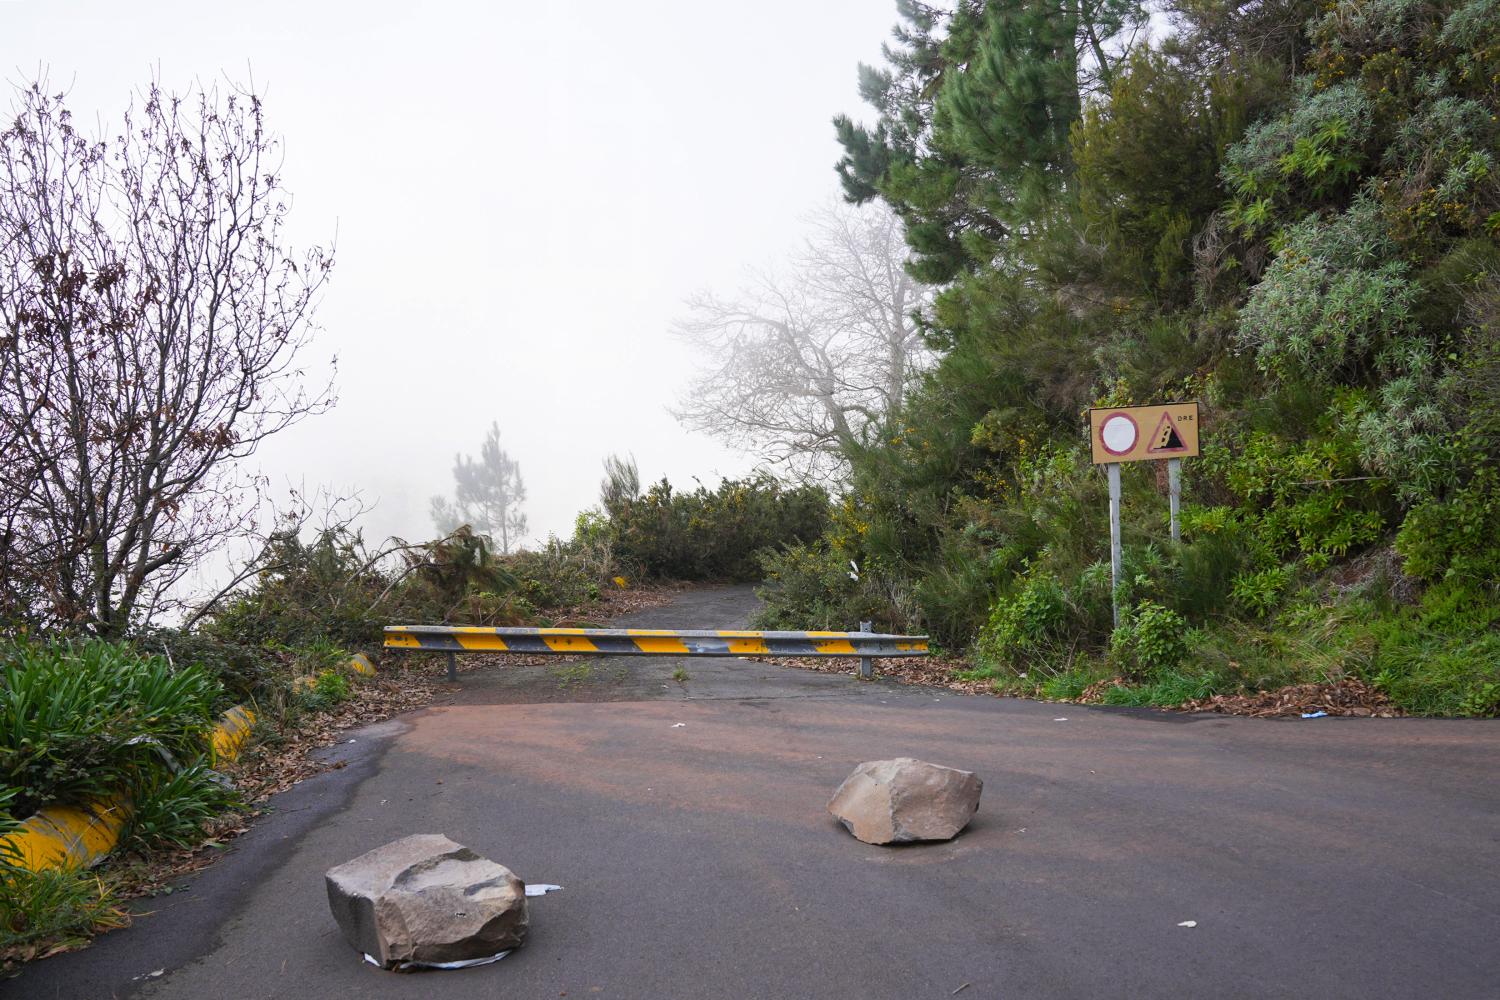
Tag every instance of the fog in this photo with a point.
(521, 195)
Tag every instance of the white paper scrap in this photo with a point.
(540, 888)
(467, 963)
(1188, 923)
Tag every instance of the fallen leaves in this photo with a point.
(922, 671)
(1348, 696)
(280, 763)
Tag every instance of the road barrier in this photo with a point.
(454, 639)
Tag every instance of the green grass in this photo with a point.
(330, 687)
(1069, 684)
(1168, 689)
(572, 674)
(173, 810)
(1441, 658)
(41, 912)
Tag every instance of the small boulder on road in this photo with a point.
(902, 800)
(425, 899)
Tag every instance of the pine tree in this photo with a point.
(488, 494)
(971, 143)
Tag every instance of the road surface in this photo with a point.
(685, 819)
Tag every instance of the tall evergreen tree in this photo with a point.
(488, 494)
(971, 141)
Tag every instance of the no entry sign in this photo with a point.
(1143, 433)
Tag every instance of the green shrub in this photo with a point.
(1261, 592)
(319, 591)
(79, 720)
(172, 809)
(956, 594)
(809, 587)
(560, 575)
(1207, 568)
(1457, 538)
(1307, 499)
(243, 671)
(1025, 625)
(329, 687)
(714, 534)
(1150, 642)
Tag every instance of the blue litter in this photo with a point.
(1313, 715)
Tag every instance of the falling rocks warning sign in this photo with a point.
(1142, 433)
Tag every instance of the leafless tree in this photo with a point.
(803, 365)
(151, 325)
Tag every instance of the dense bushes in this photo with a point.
(1303, 239)
(810, 586)
(84, 721)
(95, 722)
(711, 534)
(334, 591)
(79, 721)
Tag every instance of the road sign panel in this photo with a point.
(1143, 433)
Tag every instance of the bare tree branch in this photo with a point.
(801, 368)
(151, 321)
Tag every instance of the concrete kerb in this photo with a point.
(82, 836)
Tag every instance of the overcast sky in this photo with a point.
(523, 194)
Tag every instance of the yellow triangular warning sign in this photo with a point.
(1165, 438)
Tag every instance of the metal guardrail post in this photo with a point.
(452, 667)
(866, 665)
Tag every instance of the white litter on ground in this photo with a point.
(1188, 923)
(540, 888)
(468, 963)
(678, 725)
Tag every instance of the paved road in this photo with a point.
(1328, 858)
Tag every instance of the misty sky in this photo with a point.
(522, 195)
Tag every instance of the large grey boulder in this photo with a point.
(901, 800)
(427, 900)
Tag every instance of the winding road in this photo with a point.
(685, 819)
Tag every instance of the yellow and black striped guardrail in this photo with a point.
(452, 639)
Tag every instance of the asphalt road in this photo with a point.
(1325, 858)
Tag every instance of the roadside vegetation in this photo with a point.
(130, 400)
(126, 724)
(1287, 211)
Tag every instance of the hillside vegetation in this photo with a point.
(1288, 210)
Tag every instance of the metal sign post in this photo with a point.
(1115, 556)
(1174, 489)
(866, 665)
(1141, 434)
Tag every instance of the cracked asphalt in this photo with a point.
(684, 816)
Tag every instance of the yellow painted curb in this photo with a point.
(359, 663)
(69, 836)
(82, 836)
(233, 730)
